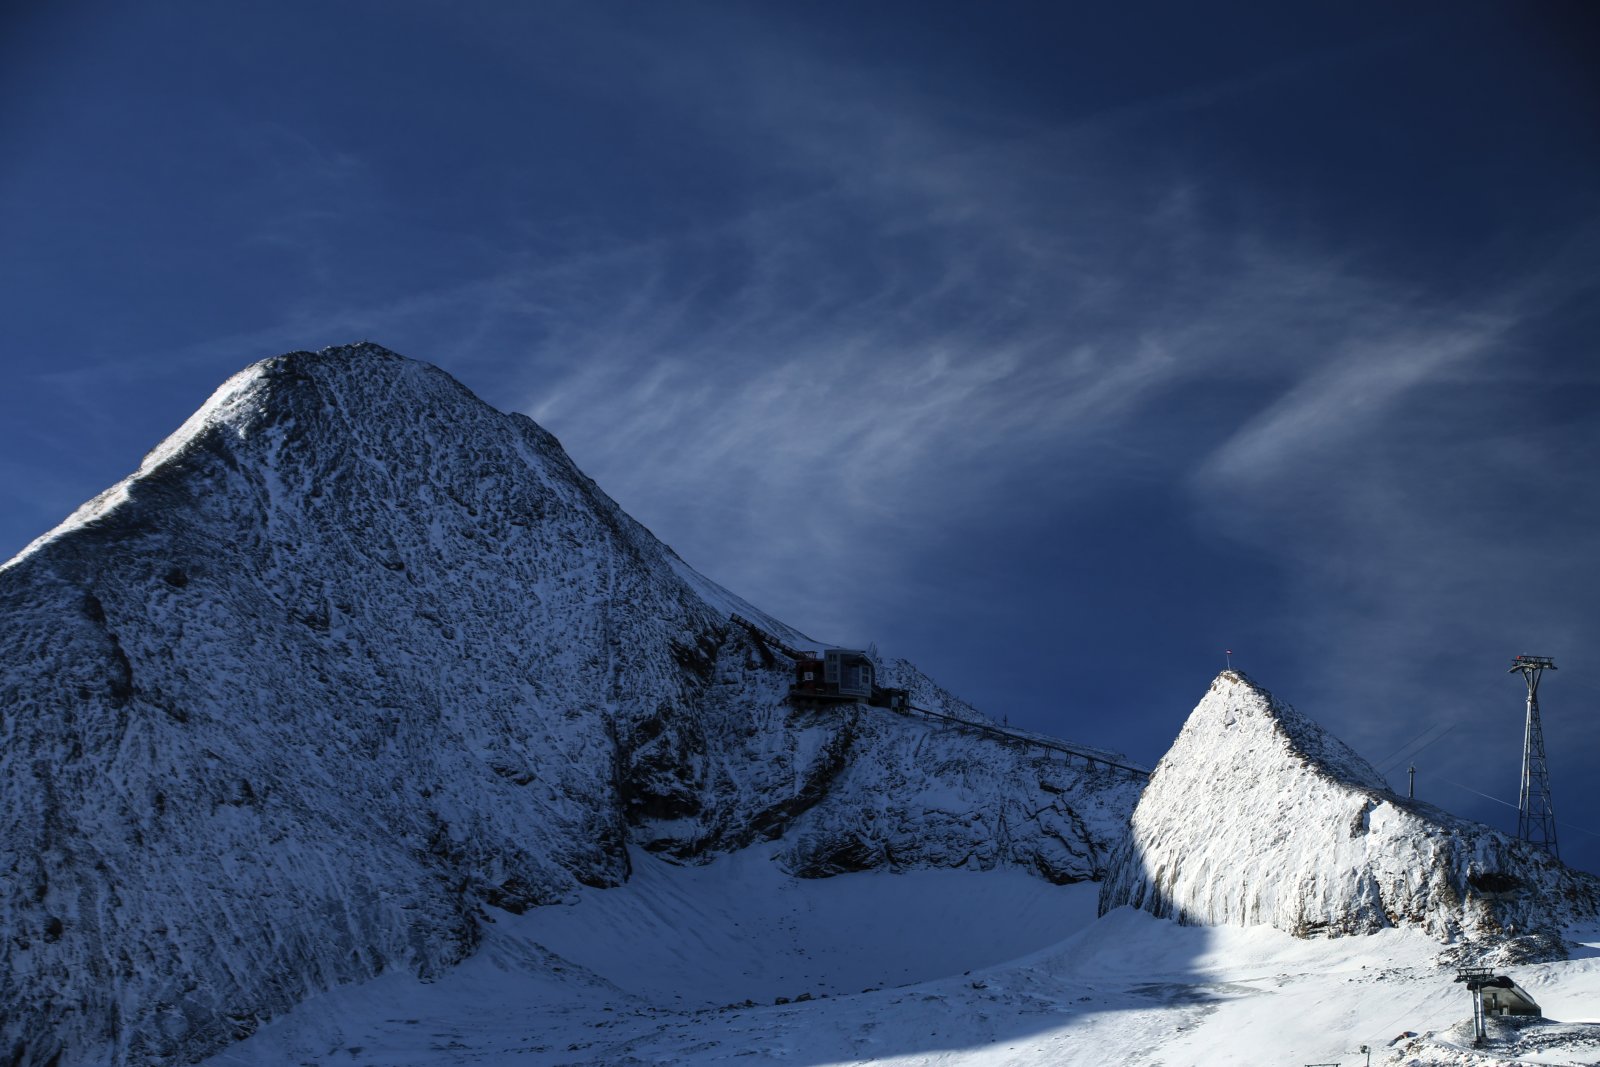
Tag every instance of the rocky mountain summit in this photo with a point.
(354, 661)
(1257, 815)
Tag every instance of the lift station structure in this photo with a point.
(1536, 816)
(1494, 994)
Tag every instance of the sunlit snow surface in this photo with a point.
(683, 965)
(1257, 815)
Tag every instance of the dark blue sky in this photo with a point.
(1056, 347)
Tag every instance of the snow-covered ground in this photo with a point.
(684, 965)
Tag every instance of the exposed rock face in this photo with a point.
(914, 794)
(1258, 815)
(354, 657)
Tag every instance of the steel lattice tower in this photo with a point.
(1536, 816)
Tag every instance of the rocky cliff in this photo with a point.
(353, 660)
(1258, 815)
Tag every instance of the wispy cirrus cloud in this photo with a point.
(962, 320)
(1426, 512)
(1349, 396)
(938, 330)
(860, 322)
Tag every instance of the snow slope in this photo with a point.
(1256, 815)
(354, 664)
(684, 965)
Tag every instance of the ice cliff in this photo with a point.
(354, 660)
(1258, 815)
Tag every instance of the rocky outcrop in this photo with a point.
(1257, 815)
(353, 659)
(917, 794)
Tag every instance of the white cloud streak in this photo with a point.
(962, 320)
(929, 321)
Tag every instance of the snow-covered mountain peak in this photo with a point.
(1236, 713)
(1259, 815)
(363, 377)
(354, 661)
(360, 397)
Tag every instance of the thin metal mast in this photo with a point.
(1536, 816)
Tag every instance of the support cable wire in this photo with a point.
(1401, 753)
(1037, 740)
(1513, 807)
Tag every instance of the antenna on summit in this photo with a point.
(1228, 653)
(1536, 816)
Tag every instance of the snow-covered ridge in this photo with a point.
(1258, 815)
(729, 605)
(229, 405)
(353, 661)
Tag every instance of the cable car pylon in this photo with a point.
(1536, 815)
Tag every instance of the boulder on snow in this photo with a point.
(1257, 815)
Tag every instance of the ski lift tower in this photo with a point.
(1536, 816)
